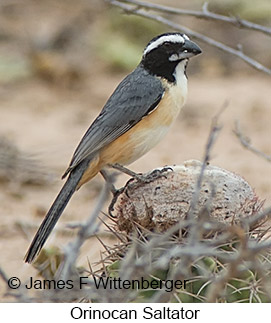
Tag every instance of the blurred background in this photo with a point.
(60, 61)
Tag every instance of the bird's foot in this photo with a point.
(144, 178)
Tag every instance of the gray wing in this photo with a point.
(135, 97)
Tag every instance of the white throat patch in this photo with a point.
(175, 38)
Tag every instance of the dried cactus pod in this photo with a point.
(163, 197)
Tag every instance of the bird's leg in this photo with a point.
(108, 178)
(144, 178)
(127, 171)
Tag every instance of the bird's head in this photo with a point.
(164, 52)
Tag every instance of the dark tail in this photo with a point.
(55, 211)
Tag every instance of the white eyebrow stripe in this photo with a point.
(163, 39)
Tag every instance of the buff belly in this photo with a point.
(145, 134)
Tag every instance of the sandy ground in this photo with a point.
(48, 123)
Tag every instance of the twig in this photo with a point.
(245, 141)
(204, 14)
(3, 275)
(90, 227)
(210, 142)
(19, 294)
(210, 41)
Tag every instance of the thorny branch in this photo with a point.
(89, 228)
(141, 10)
(245, 141)
(215, 128)
(204, 14)
(143, 257)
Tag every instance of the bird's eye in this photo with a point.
(166, 44)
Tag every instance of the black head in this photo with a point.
(164, 52)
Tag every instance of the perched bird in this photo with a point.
(134, 119)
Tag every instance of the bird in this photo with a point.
(135, 118)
